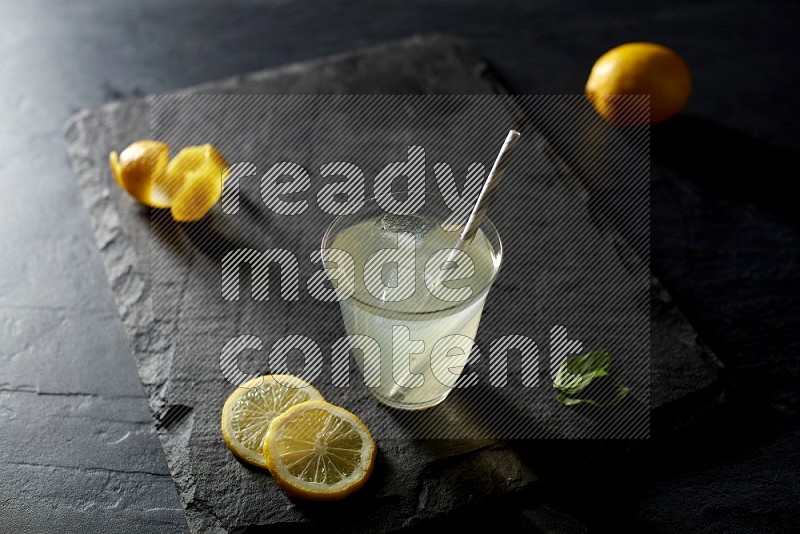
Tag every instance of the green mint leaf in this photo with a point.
(577, 372)
(621, 393)
(568, 401)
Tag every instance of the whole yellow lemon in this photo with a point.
(639, 69)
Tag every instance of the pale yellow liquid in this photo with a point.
(427, 318)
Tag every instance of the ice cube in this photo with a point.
(390, 225)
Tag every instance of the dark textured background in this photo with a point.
(725, 239)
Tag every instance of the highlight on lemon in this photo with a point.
(639, 69)
(249, 410)
(319, 451)
(189, 184)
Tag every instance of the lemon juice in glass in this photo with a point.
(422, 312)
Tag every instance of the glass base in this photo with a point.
(398, 403)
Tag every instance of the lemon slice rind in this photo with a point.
(316, 440)
(250, 409)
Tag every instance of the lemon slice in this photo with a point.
(319, 451)
(250, 409)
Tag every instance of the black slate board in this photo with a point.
(415, 480)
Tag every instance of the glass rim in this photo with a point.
(499, 252)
